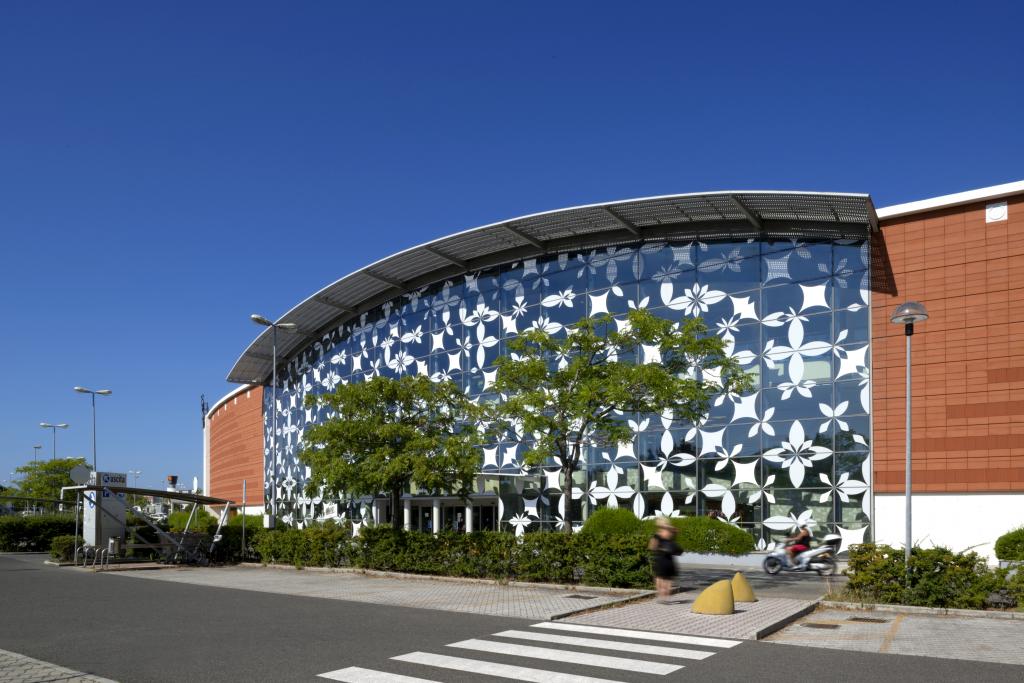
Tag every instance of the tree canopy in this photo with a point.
(45, 478)
(384, 434)
(563, 393)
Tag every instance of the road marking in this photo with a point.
(635, 648)
(355, 674)
(639, 635)
(519, 673)
(567, 656)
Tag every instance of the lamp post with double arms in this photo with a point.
(907, 314)
(35, 452)
(101, 392)
(271, 521)
(47, 425)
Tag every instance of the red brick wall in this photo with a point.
(968, 357)
(236, 448)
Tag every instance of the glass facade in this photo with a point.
(795, 314)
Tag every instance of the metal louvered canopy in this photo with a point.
(704, 215)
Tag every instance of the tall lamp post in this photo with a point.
(101, 392)
(35, 452)
(907, 314)
(290, 327)
(47, 425)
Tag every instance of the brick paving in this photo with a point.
(951, 637)
(526, 602)
(15, 668)
(748, 622)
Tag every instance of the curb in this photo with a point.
(785, 621)
(930, 611)
(603, 606)
(571, 588)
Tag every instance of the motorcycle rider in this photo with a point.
(798, 543)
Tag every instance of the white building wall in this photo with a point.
(958, 521)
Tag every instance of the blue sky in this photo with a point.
(166, 169)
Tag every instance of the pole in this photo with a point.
(54, 455)
(94, 469)
(909, 332)
(243, 519)
(273, 435)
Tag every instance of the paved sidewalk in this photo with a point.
(15, 668)
(973, 638)
(526, 602)
(750, 621)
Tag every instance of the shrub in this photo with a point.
(1010, 546)
(613, 521)
(938, 577)
(33, 533)
(706, 535)
(62, 548)
(202, 522)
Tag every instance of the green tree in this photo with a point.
(387, 433)
(565, 393)
(45, 478)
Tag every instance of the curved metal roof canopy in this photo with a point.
(706, 215)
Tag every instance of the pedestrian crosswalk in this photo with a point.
(595, 647)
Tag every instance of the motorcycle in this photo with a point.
(820, 559)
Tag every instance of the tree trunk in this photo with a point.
(567, 495)
(396, 512)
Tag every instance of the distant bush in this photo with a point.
(613, 521)
(62, 548)
(202, 522)
(34, 533)
(708, 536)
(1010, 546)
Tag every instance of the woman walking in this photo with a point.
(663, 551)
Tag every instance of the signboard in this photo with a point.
(103, 514)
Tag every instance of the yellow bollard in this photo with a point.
(741, 589)
(715, 599)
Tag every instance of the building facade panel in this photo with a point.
(968, 357)
(235, 429)
(795, 313)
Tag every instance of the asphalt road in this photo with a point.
(129, 630)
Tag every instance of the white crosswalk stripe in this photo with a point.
(640, 635)
(571, 644)
(520, 673)
(567, 656)
(634, 648)
(355, 674)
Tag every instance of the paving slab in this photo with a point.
(477, 597)
(15, 668)
(950, 637)
(750, 621)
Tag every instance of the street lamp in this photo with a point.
(47, 425)
(907, 314)
(101, 392)
(35, 452)
(290, 327)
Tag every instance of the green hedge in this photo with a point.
(938, 577)
(703, 535)
(591, 559)
(33, 533)
(1010, 546)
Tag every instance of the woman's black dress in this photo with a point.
(662, 559)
